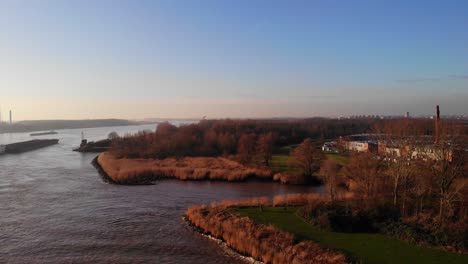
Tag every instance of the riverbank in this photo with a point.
(264, 243)
(222, 244)
(273, 231)
(359, 247)
(141, 171)
(95, 146)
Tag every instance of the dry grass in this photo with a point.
(189, 168)
(290, 178)
(296, 199)
(265, 243)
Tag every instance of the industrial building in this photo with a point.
(426, 148)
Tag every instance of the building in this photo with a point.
(360, 143)
(360, 146)
(331, 146)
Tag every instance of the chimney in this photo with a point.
(437, 124)
(10, 118)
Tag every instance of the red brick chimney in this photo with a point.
(437, 121)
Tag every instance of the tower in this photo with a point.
(10, 118)
(437, 123)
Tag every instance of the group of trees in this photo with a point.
(434, 182)
(251, 140)
(256, 149)
(307, 157)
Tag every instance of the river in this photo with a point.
(54, 208)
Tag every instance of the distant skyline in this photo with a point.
(220, 59)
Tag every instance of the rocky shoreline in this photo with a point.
(101, 172)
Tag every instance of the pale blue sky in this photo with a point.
(136, 59)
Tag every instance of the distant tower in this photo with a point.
(83, 140)
(407, 115)
(437, 124)
(10, 118)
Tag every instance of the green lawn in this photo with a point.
(340, 158)
(280, 163)
(363, 248)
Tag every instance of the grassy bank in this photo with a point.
(265, 243)
(365, 248)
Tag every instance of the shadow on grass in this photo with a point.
(359, 247)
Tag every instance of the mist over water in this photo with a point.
(54, 208)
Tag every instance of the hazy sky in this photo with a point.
(136, 59)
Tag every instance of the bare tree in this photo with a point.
(329, 173)
(449, 161)
(423, 178)
(446, 172)
(307, 157)
(364, 172)
(265, 147)
(246, 148)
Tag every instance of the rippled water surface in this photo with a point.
(54, 208)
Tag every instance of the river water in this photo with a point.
(54, 208)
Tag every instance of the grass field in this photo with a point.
(280, 163)
(340, 158)
(280, 160)
(361, 248)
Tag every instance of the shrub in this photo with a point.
(343, 217)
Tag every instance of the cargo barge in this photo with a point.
(20, 147)
(43, 133)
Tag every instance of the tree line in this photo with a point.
(426, 195)
(251, 140)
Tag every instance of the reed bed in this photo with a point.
(126, 170)
(262, 242)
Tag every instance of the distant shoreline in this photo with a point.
(48, 125)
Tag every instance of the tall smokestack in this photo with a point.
(10, 118)
(437, 121)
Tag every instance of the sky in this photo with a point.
(231, 59)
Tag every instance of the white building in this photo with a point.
(358, 146)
